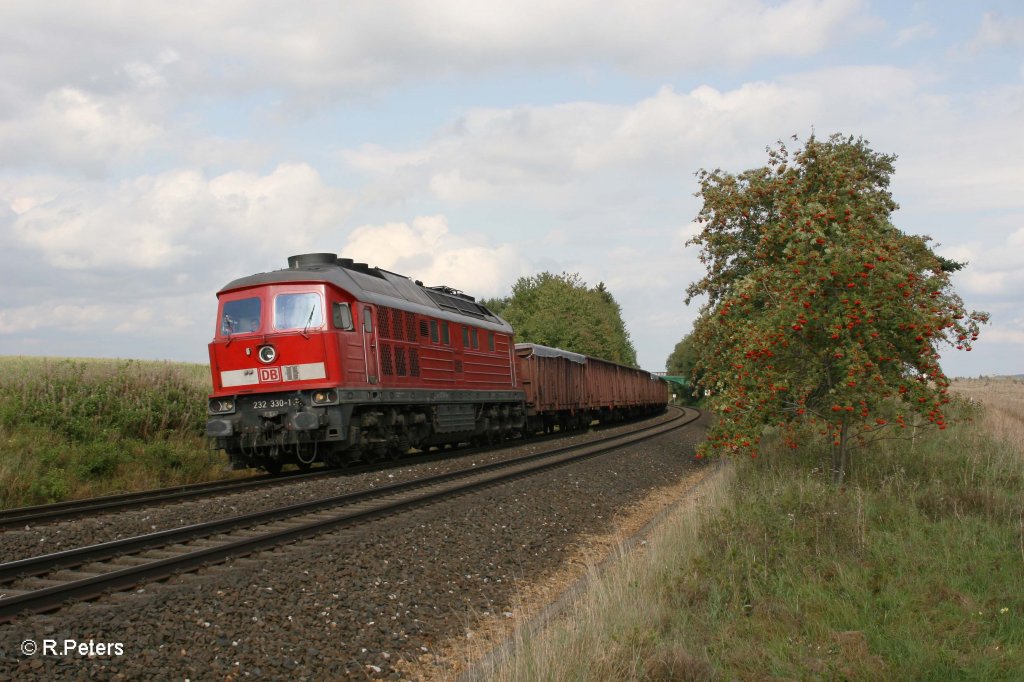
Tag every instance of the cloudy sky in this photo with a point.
(152, 151)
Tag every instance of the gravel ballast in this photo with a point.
(376, 600)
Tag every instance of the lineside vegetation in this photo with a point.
(912, 569)
(74, 428)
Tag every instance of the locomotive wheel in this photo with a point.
(273, 466)
(401, 447)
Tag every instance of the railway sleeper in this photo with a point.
(133, 560)
(40, 583)
(69, 575)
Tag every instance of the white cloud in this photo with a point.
(915, 33)
(953, 153)
(175, 219)
(325, 46)
(428, 251)
(542, 152)
(997, 31)
(90, 87)
(995, 268)
(72, 318)
(76, 129)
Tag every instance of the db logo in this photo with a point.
(269, 374)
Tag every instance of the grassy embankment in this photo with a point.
(78, 428)
(912, 570)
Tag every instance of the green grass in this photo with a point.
(912, 570)
(73, 428)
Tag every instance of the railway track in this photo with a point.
(46, 582)
(21, 517)
(72, 509)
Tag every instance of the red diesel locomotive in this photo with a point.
(336, 361)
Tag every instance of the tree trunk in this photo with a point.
(840, 455)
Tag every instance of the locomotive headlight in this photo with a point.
(267, 354)
(325, 397)
(221, 406)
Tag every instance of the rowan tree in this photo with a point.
(819, 310)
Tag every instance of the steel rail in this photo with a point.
(50, 598)
(20, 517)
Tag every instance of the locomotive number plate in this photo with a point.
(271, 404)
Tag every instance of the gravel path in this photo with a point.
(364, 602)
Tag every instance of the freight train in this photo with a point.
(334, 361)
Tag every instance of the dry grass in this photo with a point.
(611, 631)
(1003, 399)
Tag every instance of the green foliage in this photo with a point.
(910, 571)
(86, 400)
(496, 305)
(562, 311)
(74, 428)
(818, 308)
(683, 359)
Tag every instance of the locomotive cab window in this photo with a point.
(367, 321)
(298, 311)
(240, 317)
(342, 314)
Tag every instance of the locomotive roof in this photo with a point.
(377, 286)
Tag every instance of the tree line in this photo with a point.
(563, 312)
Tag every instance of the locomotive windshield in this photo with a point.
(298, 311)
(240, 317)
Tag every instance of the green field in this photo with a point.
(73, 428)
(913, 569)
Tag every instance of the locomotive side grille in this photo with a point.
(414, 362)
(410, 327)
(397, 326)
(400, 361)
(384, 322)
(385, 359)
(424, 328)
(458, 365)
